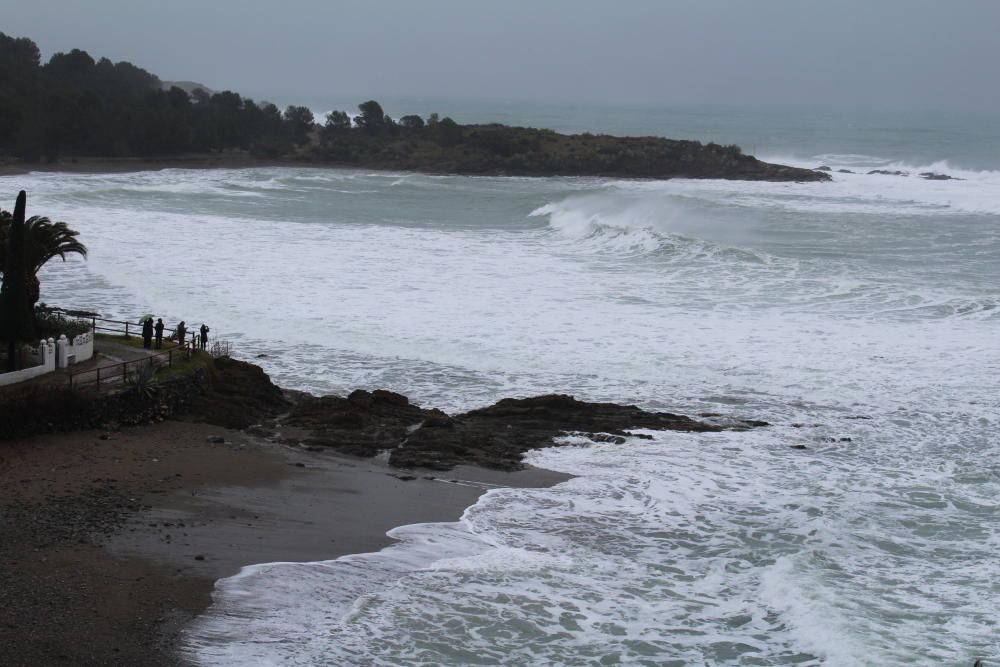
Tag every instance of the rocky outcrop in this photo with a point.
(886, 172)
(931, 176)
(368, 423)
(500, 150)
(238, 394)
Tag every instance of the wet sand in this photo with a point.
(110, 546)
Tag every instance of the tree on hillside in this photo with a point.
(372, 118)
(411, 122)
(337, 121)
(448, 132)
(72, 105)
(300, 120)
(16, 319)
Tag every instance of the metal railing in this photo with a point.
(192, 336)
(119, 372)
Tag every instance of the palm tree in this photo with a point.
(43, 240)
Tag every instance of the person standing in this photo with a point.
(204, 336)
(181, 332)
(147, 333)
(159, 333)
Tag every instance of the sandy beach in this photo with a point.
(112, 542)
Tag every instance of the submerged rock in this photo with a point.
(931, 176)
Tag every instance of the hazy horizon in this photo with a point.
(897, 55)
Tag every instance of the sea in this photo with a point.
(859, 317)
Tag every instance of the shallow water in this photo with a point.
(860, 317)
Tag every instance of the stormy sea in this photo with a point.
(859, 317)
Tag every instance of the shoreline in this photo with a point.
(113, 542)
(97, 165)
(207, 161)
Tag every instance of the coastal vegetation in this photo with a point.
(26, 245)
(44, 240)
(441, 145)
(75, 107)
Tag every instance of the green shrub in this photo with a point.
(52, 323)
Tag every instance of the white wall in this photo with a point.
(45, 355)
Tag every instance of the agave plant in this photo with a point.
(143, 380)
(43, 240)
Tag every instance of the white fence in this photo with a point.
(45, 356)
(79, 349)
(52, 354)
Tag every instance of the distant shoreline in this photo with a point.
(238, 160)
(99, 165)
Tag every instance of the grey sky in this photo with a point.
(855, 53)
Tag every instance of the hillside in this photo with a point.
(75, 107)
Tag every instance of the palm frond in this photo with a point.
(45, 240)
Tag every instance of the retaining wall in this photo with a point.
(45, 357)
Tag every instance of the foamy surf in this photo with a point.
(859, 316)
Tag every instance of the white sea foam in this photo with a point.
(807, 305)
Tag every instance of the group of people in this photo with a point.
(151, 331)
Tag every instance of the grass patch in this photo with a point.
(199, 360)
(134, 341)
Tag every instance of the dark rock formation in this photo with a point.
(362, 424)
(931, 176)
(844, 171)
(231, 394)
(366, 423)
(886, 172)
(238, 395)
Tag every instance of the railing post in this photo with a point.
(126, 329)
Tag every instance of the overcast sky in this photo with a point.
(853, 53)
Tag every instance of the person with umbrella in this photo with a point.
(147, 331)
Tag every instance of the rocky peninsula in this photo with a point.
(499, 150)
